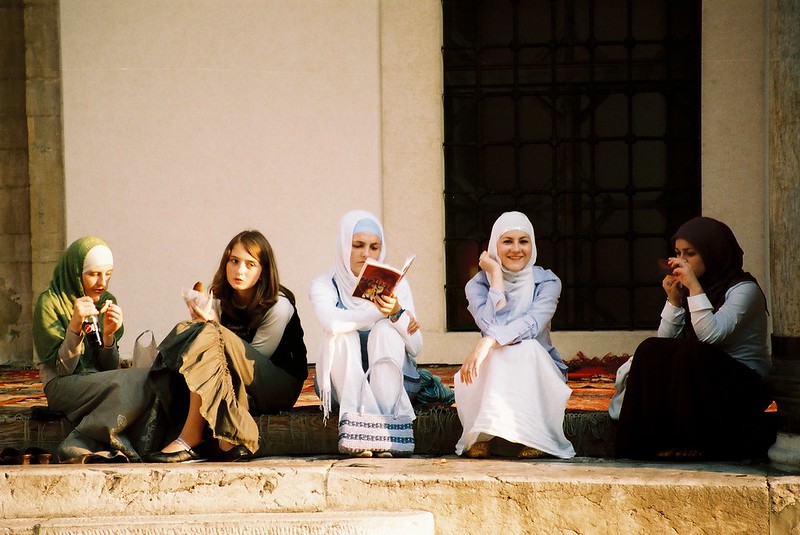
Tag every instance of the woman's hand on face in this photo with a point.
(494, 271)
(413, 324)
(489, 264)
(683, 273)
(469, 370)
(83, 307)
(387, 304)
(112, 321)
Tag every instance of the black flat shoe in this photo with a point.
(236, 453)
(186, 455)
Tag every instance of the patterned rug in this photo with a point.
(591, 380)
(20, 388)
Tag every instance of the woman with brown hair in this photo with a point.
(214, 371)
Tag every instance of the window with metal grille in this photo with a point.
(584, 115)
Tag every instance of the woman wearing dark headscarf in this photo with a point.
(81, 379)
(697, 391)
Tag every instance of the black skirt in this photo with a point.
(684, 394)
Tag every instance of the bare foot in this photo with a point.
(177, 445)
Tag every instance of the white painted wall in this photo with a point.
(187, 121)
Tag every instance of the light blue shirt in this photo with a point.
(739, 327)
(534, 324)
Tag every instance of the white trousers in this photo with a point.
(385, 383)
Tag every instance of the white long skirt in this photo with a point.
(520, 396)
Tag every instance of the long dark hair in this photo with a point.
(268, 287)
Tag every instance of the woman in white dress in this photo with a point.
(512, 385)
(358, 332)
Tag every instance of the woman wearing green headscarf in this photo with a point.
(82, 380)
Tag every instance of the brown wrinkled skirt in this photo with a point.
(232, 379)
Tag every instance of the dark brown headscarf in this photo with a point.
(721, 255)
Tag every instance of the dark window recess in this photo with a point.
(585, 116)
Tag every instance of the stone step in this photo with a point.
(316, 523)
(300, 432)
(493, 496)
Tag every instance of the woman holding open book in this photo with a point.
(358, 331)
(512, 385)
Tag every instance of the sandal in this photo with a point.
(531, 453)
(479, 450)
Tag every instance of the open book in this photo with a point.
(376, 279)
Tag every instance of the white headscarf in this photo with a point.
(519, 286)
(345, 280)
(98, 256)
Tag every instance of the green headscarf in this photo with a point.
(53, 310)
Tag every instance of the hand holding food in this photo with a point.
(201, 303)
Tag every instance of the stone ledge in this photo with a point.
(322, 523)
(471, 496)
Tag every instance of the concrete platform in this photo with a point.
(459, 495)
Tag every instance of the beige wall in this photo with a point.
(734, 124)
(185, 122)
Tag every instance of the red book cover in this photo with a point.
(376, 279)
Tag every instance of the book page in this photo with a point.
(377, 279)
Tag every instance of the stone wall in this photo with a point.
(15, 251)
(31, 166)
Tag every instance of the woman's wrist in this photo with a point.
(488, 342)
(76, 329)
(696, 289)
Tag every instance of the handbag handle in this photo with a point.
(152, 336)
(366, 379)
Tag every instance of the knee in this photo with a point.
(384, 332)
(652, 346)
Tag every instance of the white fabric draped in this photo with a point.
(519, 395)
